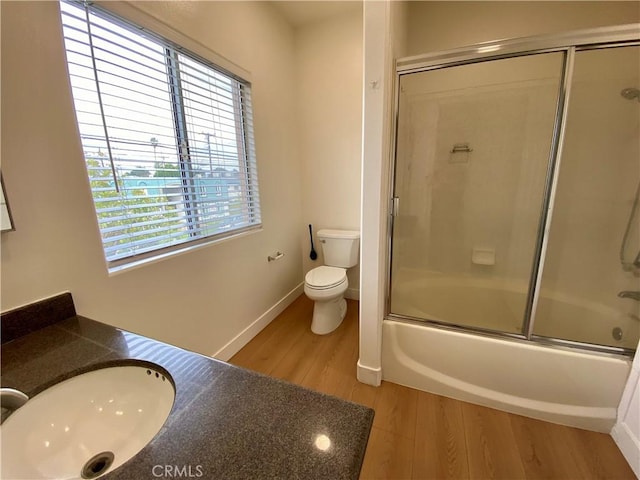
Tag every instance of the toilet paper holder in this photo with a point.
(273, 258)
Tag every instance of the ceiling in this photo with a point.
(302, 12)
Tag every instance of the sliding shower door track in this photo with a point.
(557, 343)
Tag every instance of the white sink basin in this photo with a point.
(87, 425)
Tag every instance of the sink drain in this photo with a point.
(97, 465)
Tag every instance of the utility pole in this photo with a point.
(208, 136)
(154, 144)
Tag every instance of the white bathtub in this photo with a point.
(560, 385)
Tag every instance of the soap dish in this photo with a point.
(483, 256)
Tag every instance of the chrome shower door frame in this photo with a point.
(568, 43)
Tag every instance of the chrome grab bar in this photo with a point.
(629, 294)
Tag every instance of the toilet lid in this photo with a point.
(325, 277)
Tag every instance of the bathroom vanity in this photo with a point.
(226, 422)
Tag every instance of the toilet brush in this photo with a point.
(313, 255)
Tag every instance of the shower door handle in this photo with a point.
(395, 205)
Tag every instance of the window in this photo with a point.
(167, 138)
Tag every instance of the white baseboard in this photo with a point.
(369, 375)
(628, 445)
(352, 294)
(244, 337)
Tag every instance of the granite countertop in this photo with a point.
(226, 422)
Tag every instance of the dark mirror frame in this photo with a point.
(6, 211)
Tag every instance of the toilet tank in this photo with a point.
(340, 247)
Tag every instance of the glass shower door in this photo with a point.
(591, 275)
(472, 153)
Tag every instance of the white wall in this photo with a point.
(200, 300)
(434, 26)
(329, 122)
(384, 40)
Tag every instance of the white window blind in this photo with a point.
(167, 138)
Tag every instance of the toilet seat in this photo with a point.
(326, 287)
(324, 277)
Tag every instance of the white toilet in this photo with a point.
(326, 285)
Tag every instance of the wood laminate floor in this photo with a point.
(418, 435)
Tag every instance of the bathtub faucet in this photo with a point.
(629, 294)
